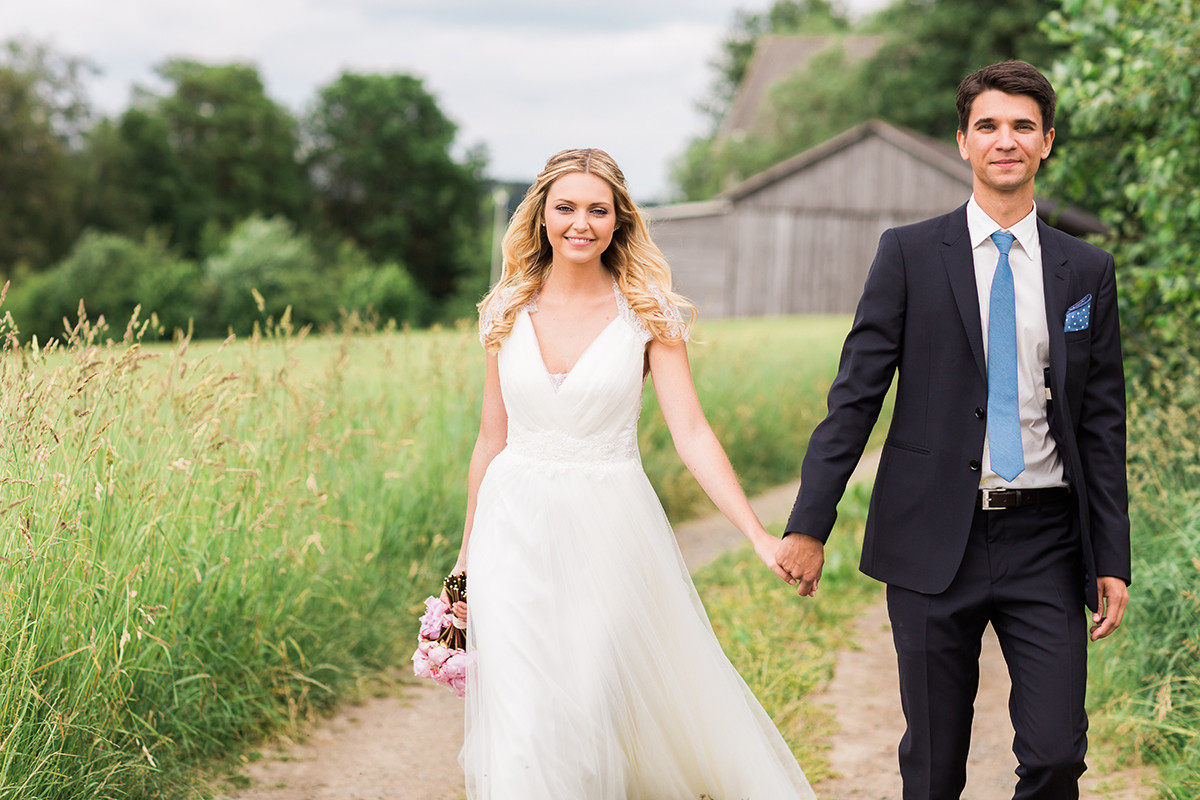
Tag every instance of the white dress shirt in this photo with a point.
(1043, 466)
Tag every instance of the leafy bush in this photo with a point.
(111, 275)
(380, 292)
(267, 257)
(1127, 85)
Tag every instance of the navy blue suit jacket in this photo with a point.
(919, 319)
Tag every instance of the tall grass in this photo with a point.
(202, 543)
(1147, 676)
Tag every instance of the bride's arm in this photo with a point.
(493, 433)
(700, 451)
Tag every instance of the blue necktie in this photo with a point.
(1004, 416)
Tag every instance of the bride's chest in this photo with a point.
(609, 366)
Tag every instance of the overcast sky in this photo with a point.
(525, 78)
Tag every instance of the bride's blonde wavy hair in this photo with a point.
(635, 261)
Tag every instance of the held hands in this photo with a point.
(767, 547)
(801, 559)
(1114, 596)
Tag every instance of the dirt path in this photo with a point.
(406, 747)
(865, 690)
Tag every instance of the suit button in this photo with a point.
(975, 465)
(978, 413)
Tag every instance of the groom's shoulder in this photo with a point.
(934, 229)
(1074, 247)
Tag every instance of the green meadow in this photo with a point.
(206, 542)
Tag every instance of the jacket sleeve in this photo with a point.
(1100, 436)
(868, 363)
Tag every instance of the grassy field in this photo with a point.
(1146, 679)
(206, 542)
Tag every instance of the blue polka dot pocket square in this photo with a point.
(1078, 315)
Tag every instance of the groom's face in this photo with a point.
(1004, 141)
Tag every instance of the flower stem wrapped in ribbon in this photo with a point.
(455, 636)
(441, 644)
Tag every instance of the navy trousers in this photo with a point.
(1023, 573)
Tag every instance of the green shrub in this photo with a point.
(267, 257)
(111, 275)
(380, 292)
(1160, 314)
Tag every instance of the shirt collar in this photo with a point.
(981, 227)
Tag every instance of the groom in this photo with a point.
(1000, 496)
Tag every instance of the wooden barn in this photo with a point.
(799, 237)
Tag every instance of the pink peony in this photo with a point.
(433, 622)
(454, 673)
(420, 659)
(437, 657)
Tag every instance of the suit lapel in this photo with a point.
(960, 269)
(1056, 275)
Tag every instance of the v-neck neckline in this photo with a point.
(537, 344)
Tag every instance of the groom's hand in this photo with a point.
(1114, 596)
(802, 557)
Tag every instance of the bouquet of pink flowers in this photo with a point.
(441, 644)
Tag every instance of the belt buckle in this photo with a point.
(986, 503)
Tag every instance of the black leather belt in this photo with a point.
(997, 499)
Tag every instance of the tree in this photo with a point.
(212, 151)
(913, 79)
(1130, 84)
(135, 179)
(1129, 87)
(384, 176)
(43, 112)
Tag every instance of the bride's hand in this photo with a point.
(766, 547)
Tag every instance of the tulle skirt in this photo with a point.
(595, 672)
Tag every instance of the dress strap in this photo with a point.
(638, 324)
(496, 307)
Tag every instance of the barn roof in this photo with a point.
(937, 155)
(940, 156)
(776, 57)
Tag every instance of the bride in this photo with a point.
(595, 674)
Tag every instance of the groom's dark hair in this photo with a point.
(1010, 77)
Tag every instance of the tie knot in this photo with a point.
(1004, 240)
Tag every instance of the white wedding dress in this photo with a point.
(596, 674)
